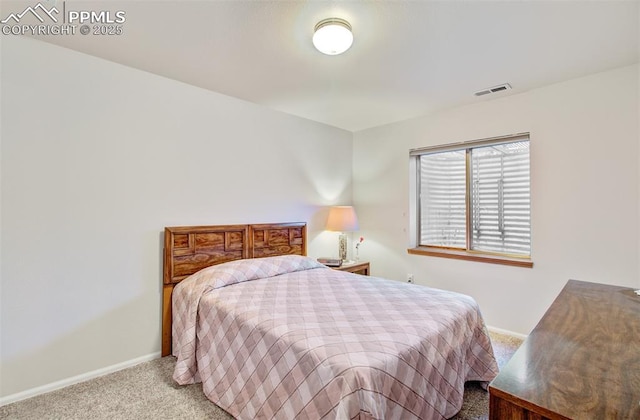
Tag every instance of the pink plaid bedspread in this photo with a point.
(286, 338)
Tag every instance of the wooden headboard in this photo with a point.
(189, 249)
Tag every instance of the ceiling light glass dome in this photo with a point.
(332, 36)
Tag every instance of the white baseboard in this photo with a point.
(76, 379)
(506, 332)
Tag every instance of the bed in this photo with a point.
(271, 333)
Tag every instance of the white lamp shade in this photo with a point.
(332, 36)
(342, 219)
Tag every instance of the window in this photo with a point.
(473, 200)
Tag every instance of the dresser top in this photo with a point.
(583, 358)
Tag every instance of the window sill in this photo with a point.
(471, 256)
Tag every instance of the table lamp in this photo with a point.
(342, 219)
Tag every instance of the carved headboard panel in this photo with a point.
(189, 249)
(277, 239)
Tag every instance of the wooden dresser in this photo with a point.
(582, 361)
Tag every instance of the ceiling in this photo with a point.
(408, 58)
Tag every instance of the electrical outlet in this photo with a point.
(409, 278)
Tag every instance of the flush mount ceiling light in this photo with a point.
(332, 36)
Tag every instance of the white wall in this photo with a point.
(585, 183)
(97, 159)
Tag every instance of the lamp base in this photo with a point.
(342, 247)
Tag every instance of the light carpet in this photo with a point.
(146, 391)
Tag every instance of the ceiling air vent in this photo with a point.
(499, 88)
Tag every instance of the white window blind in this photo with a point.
(443, 206)
(475, 196)
(500, 210)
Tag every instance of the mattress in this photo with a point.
(285, 337)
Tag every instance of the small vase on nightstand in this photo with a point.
(358, 248)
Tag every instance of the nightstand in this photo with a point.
(361, 267)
